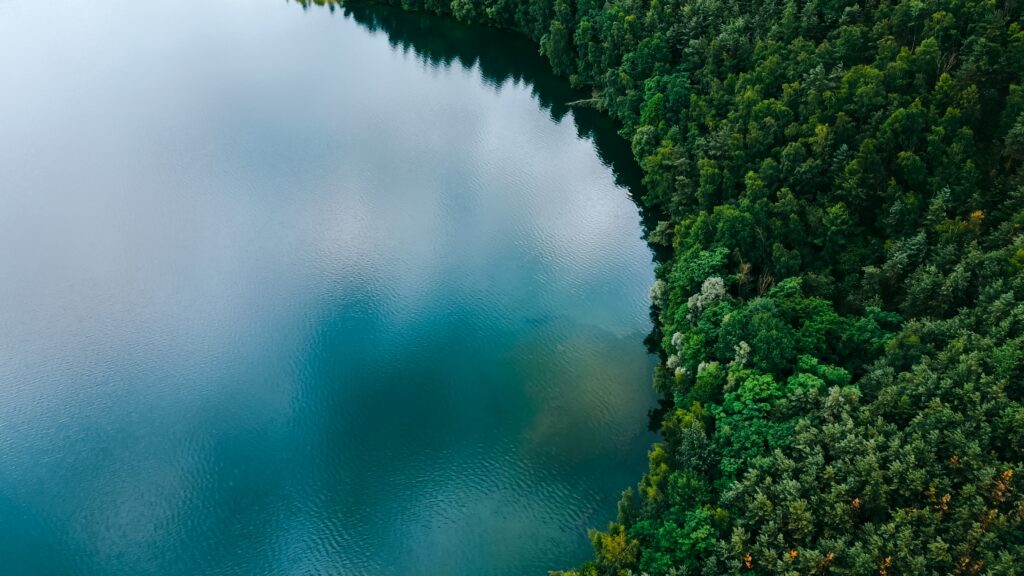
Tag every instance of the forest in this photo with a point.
(839, 191)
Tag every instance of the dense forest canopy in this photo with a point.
(841, 318)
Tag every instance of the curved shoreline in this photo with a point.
(842, 193)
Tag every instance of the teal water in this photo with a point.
(301, 292)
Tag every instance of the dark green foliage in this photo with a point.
(841, 186)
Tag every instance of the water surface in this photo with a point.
(294, 292)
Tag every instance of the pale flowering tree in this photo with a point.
(659, 292)
(711, 292)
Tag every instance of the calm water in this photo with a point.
(294, 292)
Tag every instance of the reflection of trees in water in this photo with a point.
(500, 56)
(503, 56)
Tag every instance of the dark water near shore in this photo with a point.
(294, 292)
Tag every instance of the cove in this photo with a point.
(290, 291)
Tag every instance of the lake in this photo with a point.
(290, 291)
